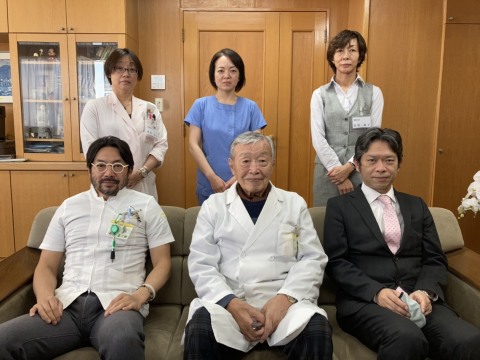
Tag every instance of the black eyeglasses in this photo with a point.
(121, 70)
(116, 167)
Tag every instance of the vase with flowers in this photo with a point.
(471, 201)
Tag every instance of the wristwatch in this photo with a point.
(151, 291)
(431, 295)
(291, 299)
(144, 171)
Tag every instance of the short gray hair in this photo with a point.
(251, 137)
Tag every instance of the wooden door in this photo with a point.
(302, 69)
(281, 52)
(459, 125)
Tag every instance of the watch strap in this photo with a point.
(291, 299)
(144, 171)
(432, 296)
(151, 291)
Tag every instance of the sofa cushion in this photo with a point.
(176, 218)
(39, 226)
(160, 326)
(448, 229)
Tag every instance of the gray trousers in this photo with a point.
(117, 336)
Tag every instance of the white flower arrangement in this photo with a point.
(471, 201)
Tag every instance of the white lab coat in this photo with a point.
(106, 116)
(281, 253)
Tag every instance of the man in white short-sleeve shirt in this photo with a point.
(105, 234)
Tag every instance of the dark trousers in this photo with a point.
(117, 336)
(393, 337)
(313, 343)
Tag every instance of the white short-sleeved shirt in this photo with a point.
(80, 228)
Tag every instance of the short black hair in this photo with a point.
(115, 57)
(235, 59)
(390, 136)
(341, 40)
(110, 141)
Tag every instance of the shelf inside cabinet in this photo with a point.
(44, 140)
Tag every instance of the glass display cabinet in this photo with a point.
(56, 76)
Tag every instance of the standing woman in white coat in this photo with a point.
(131, 119)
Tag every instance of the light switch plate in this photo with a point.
(159, 104)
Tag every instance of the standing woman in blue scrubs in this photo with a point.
(215, 121)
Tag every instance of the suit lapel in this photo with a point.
(361, 204)
(406, 211)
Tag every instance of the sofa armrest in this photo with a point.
(463, 298)
(17, 270)
(462, 292)
(465, 264)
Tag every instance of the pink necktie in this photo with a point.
(392, 231)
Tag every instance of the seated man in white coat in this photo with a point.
(257, 265)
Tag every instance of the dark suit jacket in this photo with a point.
(359, 259)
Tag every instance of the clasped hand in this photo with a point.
(339, 176)
(266, 320)
(390, 299)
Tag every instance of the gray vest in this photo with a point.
(338, 123)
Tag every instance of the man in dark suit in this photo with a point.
(372, 278)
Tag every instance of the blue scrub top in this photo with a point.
(220, 125)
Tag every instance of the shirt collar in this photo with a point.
(122, 193)
(358, 80)
(372, 195)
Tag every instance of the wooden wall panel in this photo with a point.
(459, 124)
(404, 59)
(160, 51)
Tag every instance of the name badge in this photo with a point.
(120, 230)
(361, 122)
(152, 132)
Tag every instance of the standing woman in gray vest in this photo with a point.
(341, 111)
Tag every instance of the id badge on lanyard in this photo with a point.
(121, 227)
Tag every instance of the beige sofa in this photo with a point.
(164, 326)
